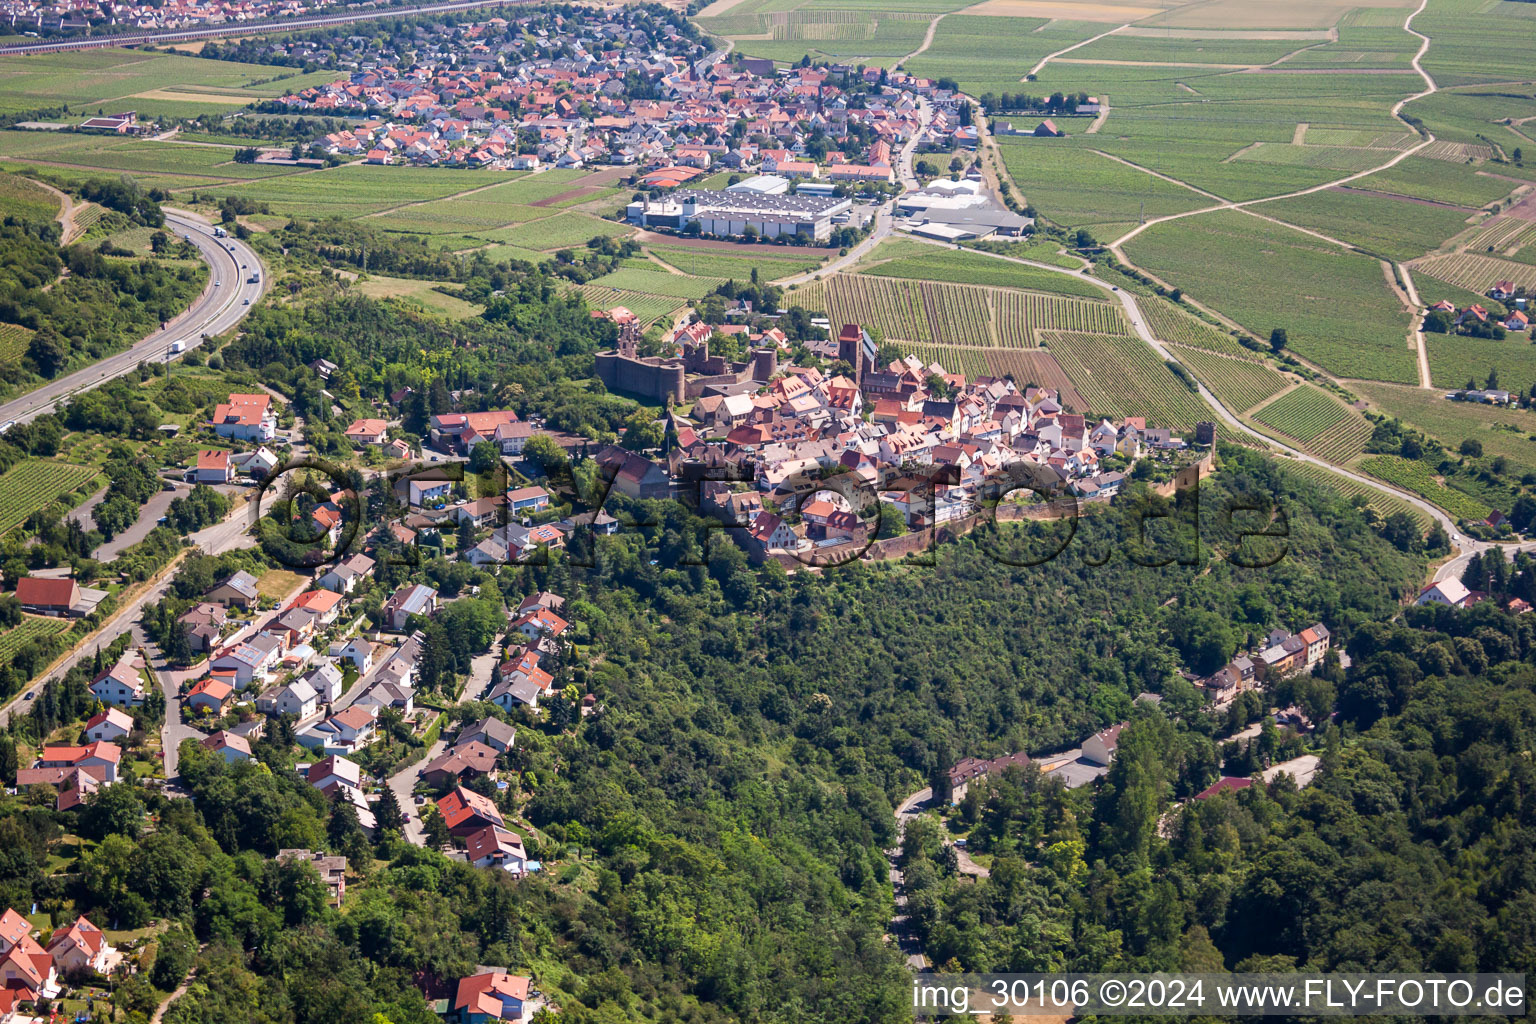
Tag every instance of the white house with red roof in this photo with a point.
(245, 418)
(213, 467)
(81, 947)
(109, 726)
(211, 695)
(121, 684)
(27, 972)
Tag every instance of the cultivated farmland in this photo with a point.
(649, 308)
(954, 314)
(1384, 505)
(1120, 376)
(1501, 431)
(1477, 273)
(1170, 324)
(34, 485)
(31, 627)
(659, 282)
(1317, 421)
(1419, 479)
(1239, 383)
(974, 268)
(1335, 305)
(1037, 367)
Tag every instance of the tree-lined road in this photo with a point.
(224, 302)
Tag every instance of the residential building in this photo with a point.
(211, 694)
(245, 418)
(344, 577)
(491, 996)
(48, 596)
(495, 847)
(411, 599)
(108, 726)
(81, 948)
(232, 747)
(1100, 747)
(466, 811)
(331, 868)
(213, 467)
(121, 684)
(236, 591)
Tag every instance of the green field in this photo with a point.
(1168, 323)
(1454, 359)
(1335, 306)
(1239, 383)
(34, 485)
(853, 30)
(115, 154)
(353, 190)
(1438, 181)
(1419, 479)
(659, 282)
(962, 267)
(648, 307)
(950, 314)
(1120, 376)
(1500, 431)
(715, 263)
(1384, 504)
(1075, 187)
(26, 200)
(1317, 421)
(32, 627)
(1396, 229)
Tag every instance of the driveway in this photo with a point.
(174, 731)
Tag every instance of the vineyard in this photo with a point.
(1170, 324)
(1119, 376)
(1384, 504)
(954, 358)
(1037, 367)
(1239, 383)
(1317, 421)
(1503, 234)
(34, 485)
(14, 339)
(649, 308)
(32, 627)
(952, 314)
(1477, 273)
(1416, 477)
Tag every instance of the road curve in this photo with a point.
(225, 301)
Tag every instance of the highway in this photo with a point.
(227, 298)
(248, 28)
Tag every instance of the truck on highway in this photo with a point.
(220, 233)
(253, 279)
(178, 346)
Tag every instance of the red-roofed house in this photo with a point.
(492, 996)
(367, 431)
(26, 969)
(245, 418)
(1225, 784)
(1100, 747)
(466, 811)
(211, 694)
(81, 947)
(495, 847)
(213, 467)
(109, 726)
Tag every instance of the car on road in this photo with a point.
(30, 695)
(217, 283)
(7, 425)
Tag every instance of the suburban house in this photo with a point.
(468, 759)
(1100, 747)
(232, 747)
(325, 604)
(211, 695)
(495, 847)
(98, 759)
(331, 868)
(466, 811)
(413, 599)
(204, 625)
(356, 650)
(365, 431)
(251, 661)
(81, 948)
(237, 591)
(343, 578)
(342, 733)
(525, 500)
(539, 622)
(26, 969)
(297, 698)
(493, 732)
(121, 684)
(326, 682)
(1452, 592)
(108, 726)
(340, 779)
(245, 418)
(491, 996)
(213, 467)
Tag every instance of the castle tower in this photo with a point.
(765, 363)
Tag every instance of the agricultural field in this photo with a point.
(1076, 187)
(1347, 488)
(1335, 306)
(153, 84)
(355, 190)
(854, 30)
(564, 231)
(1240, 384)
(1476, 272)
(1318, 422)
(1034, 367)
(415, 290)
(961, 267)
(14, 340)
(1501, 236)
(26, 200)
(1045, 250)
(1455, 359)
(93, 153)
(1420, 479)
(1396, 229)
(1170, 324)
(1120, 376)
(649, 308)
(949, 314)
(659, 282)
(713, 263)
(1431, 290)
(32, 627)
(1500, 431)
(35, 484)
(1437, 181)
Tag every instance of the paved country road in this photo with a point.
(225, 301)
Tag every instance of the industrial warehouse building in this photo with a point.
(731, 213)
